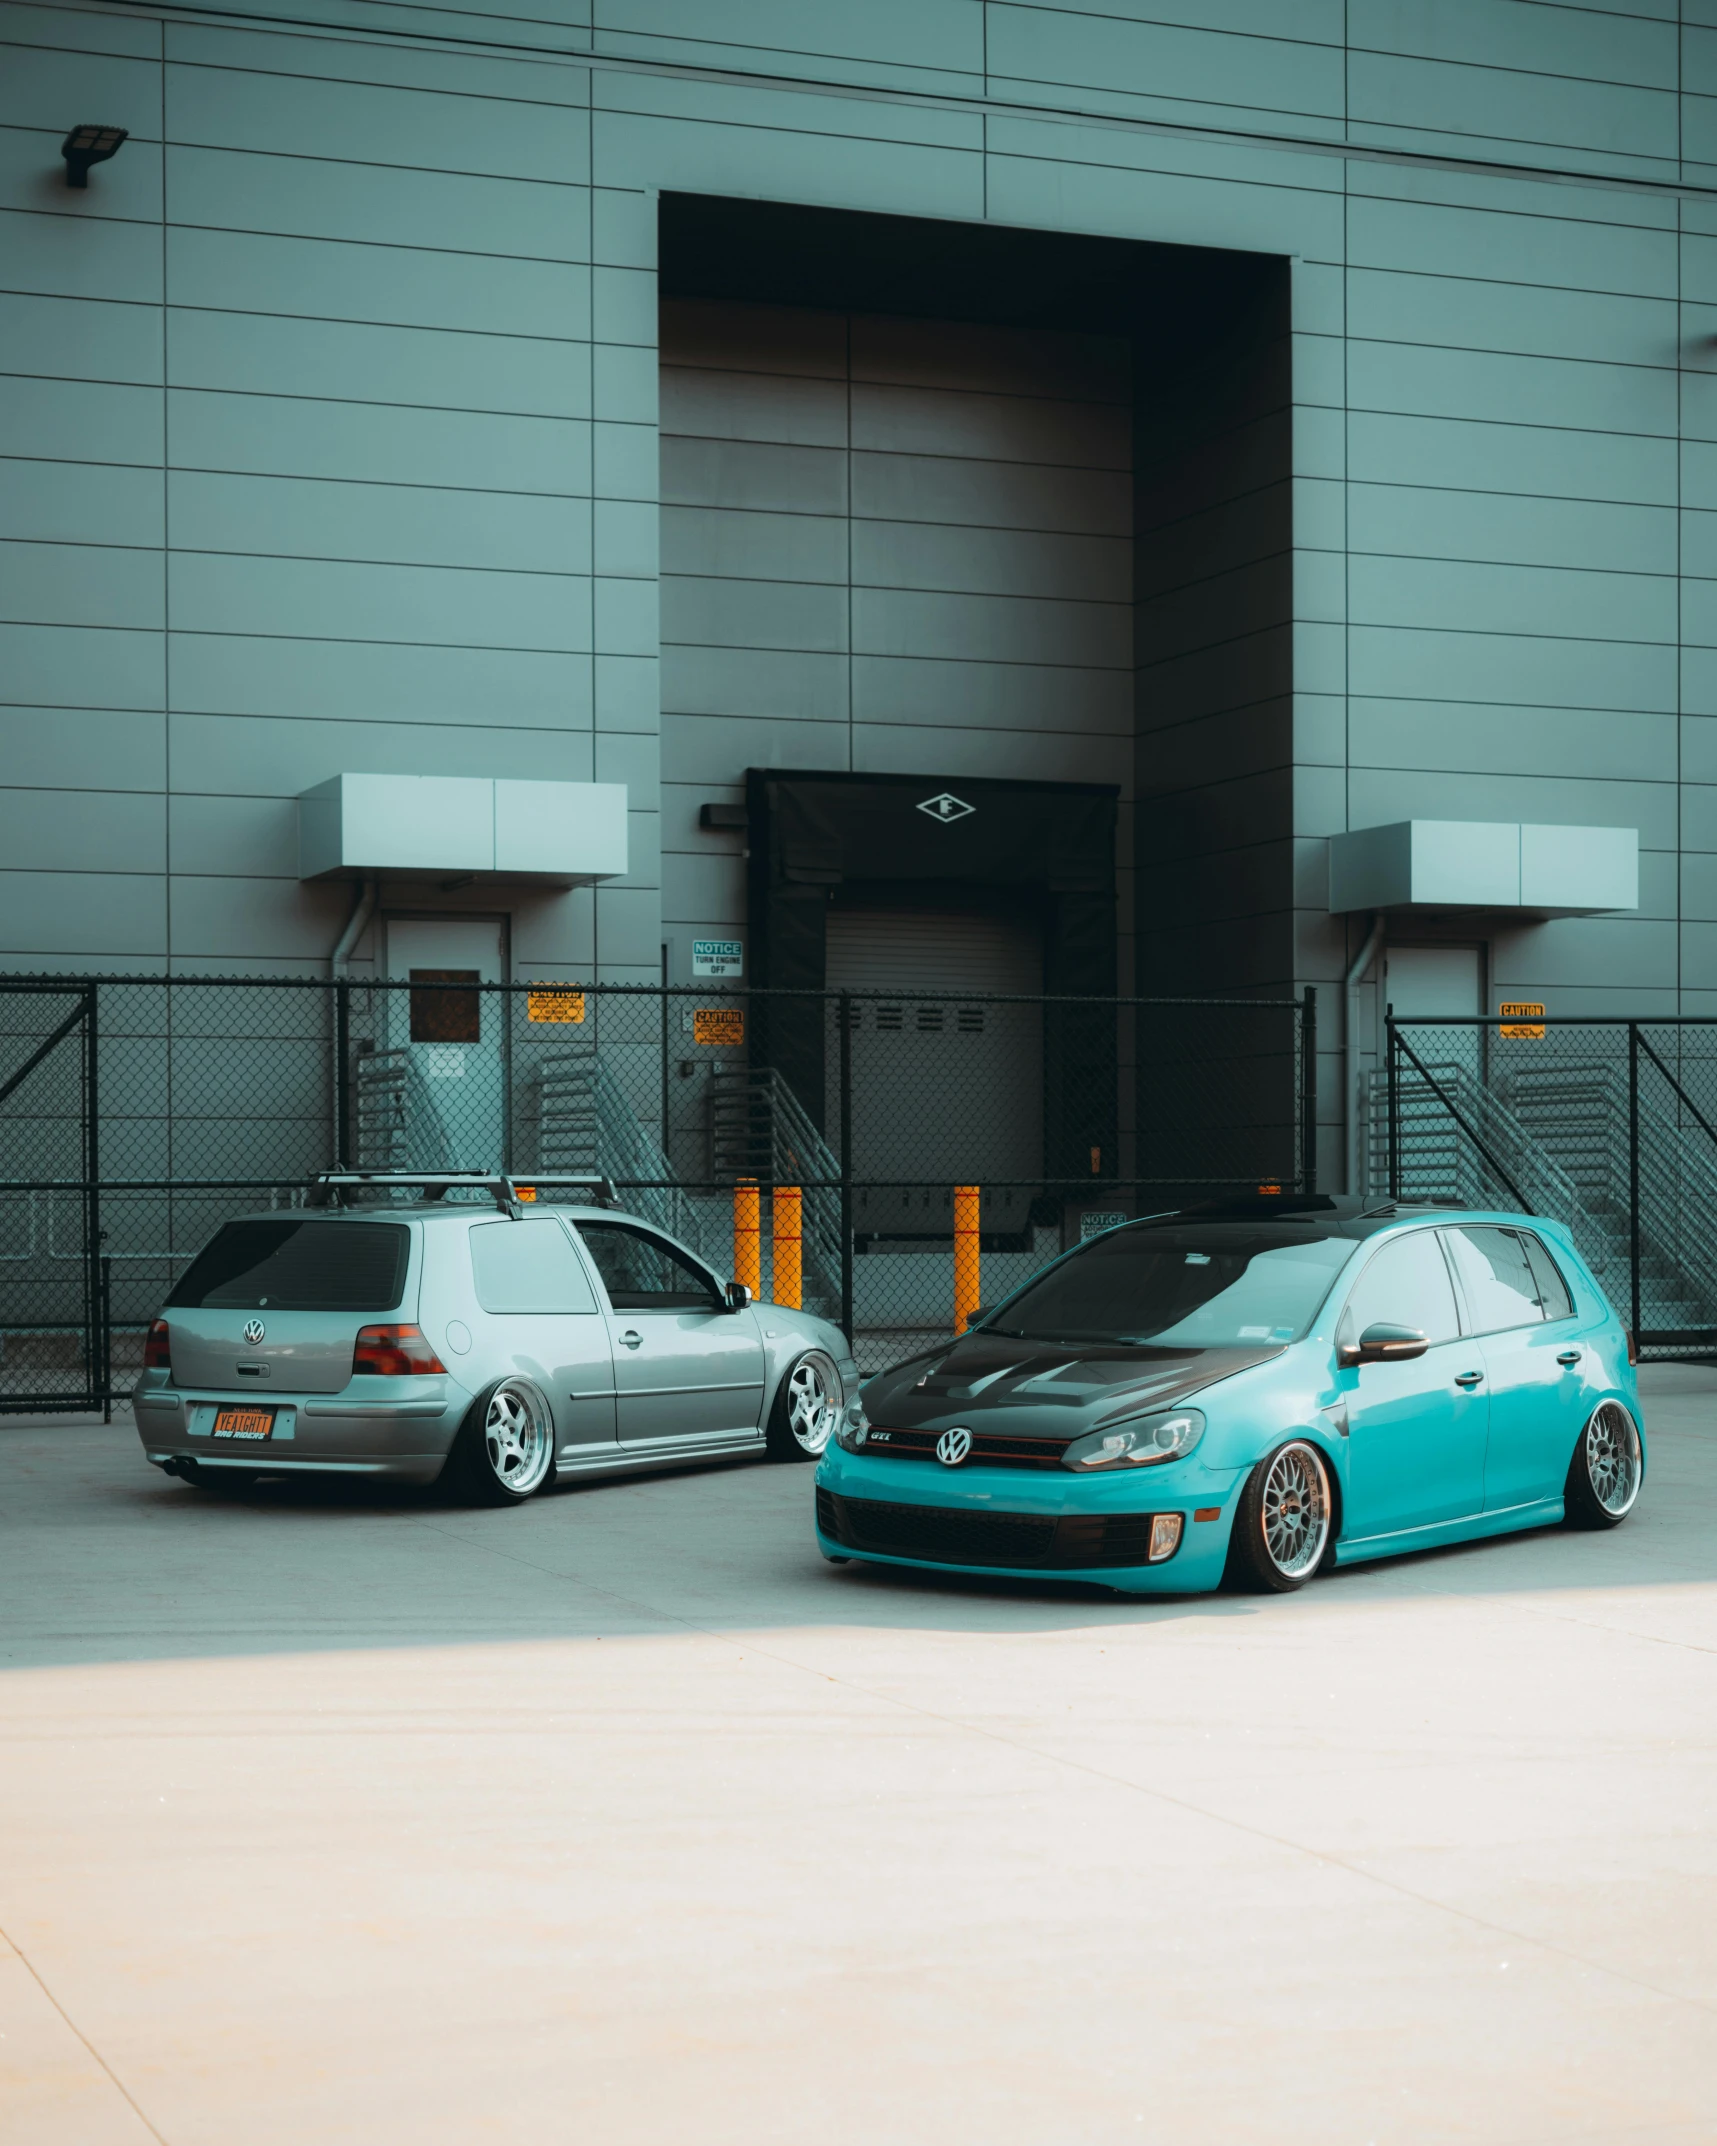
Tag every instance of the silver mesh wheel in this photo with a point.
(1294, 1511)
(1613, 1458)
(518, 1437)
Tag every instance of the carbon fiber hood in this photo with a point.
(1038, 1389)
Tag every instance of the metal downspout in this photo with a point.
(340, 962)
(1350, 1043)
(369, 893)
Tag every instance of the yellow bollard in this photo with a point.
(747, 1236)
(788, 1224)
(968, 1255)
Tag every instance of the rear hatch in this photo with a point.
(273, 1304)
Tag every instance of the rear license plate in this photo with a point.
(246, 1423)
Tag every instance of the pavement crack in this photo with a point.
(1099, 1773)
(1239, 1825)
(119, 2085)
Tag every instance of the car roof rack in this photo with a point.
(575, 1188)
(333, 1188)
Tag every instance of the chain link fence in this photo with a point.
(137, 1113)
(1608, 1126)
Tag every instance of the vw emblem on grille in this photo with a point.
(254, 1331)
(945, 806)
(953, 1446)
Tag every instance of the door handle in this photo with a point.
(631, 1339)
(1569, 1356)
(1468, 1378)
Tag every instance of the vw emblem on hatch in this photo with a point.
(254, 1331)
(953, 1446)
(945, 806)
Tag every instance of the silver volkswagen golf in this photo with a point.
(498, 1332)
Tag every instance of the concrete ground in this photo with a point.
(331, 1816)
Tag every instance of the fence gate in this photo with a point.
(53, 1323)
(1608, 1126)
(219, 1096)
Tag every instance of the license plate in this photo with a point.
(245, 1423)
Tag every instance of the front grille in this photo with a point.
(988, 1451)
(967, 1535)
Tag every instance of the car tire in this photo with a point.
(803, 1414)
(505, 1451)
(1605, 1473)
(1283, 1522)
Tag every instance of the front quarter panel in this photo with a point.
(1248, 1417)
(786, 1335)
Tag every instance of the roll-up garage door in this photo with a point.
(947, 1084)
(932, 951)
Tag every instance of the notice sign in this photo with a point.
(547, 1005)
(723, 1025)
(1521, 1017)
(718, 957)
(1095, 1221)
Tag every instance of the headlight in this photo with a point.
(853, 1426)
(1145, 1442)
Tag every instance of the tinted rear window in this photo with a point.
(294, 1265)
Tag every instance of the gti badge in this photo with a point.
(254, 1331)
(953, 1446)
(945, 807)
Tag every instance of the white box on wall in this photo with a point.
(378, 826)
(1485, 864)
(541, 826)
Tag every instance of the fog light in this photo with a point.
(1165, 1536)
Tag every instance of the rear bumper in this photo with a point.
(399, 1434)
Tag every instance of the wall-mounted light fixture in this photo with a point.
(85, 146)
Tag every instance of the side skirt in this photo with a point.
(655, 1453)
(1476, 1527)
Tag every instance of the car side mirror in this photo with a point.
(1383, 1343)
(737, 1295)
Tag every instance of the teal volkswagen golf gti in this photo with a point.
(1250, 1392)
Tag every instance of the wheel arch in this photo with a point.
(1330, 1448)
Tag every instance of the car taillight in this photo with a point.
(1633, 1345)
(393, 1352)
(157, 1349)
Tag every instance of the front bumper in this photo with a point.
(398, 1431)
(1036, 1525)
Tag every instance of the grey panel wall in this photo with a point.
(1215, 684)
(887, 545)
(354, 469)
(332, 420)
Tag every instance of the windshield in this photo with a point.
(1198, 1287)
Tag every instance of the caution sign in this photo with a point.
(1523, 1017)
(555, 1005)
(723, 1025)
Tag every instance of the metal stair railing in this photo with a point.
(1582, 1111)
(1677, 1180)
(1437, 1160)
(759, 1128)
(397, 1124)
(1678, 1232)
(585, 1126)
(1677, 1187)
